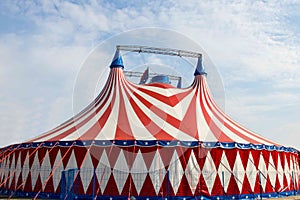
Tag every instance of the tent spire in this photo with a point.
(200, 68)
(117, 61)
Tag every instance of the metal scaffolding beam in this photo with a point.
(139, 74)
(155, 50)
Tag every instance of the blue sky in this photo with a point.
(255, 46)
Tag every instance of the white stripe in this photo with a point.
(219, 124)
(76, 122)
(73, 122)
(255, 136)
(74, 135)
(138, 129)
(176, 133)
(167, 92)
(241, 131)
(177, 111)
(204, 131)
(108, 131)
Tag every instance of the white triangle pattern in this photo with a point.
(6, 171)
(25, 169)
(139, 171)
(287, 171)
(251, 172)
(86, 172)
(263, 170)
(12, 170)
(192, 172)
(157, 172)
(6, 178)
(18, 169)
(103, 171)
(224, 170)
(121, 171)
(297, 173)
(45, 170)
(72, 164)
(238, 171)
(294, 172)
(3, 168)
(35, 170)
(280, 171)
(2, 163)
(56, 170)
(175, 172)
(209, 172)
(272, 172)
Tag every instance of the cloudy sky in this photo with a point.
(255, 46)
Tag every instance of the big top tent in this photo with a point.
(150, 141)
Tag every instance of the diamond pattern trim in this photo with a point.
(35, 170)
(175, 172)
(139, 172)
(251, 172)
(272, 172)
(239, 171)
(192, 172)
(121, 171)
(25, 169)
(86, 172)
(103, 171)
(263, 170)
(72, 164)
(209, 172)
(56, 170)
(157, 172)
(45, 169)
(224, 170)
(18, 169)
(280, 171)
(12, 170)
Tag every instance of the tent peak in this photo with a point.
(200, 68)
(117, 61)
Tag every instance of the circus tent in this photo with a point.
(150, 141)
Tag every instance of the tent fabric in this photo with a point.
(153, 171)
(125, 111)
(150, 141)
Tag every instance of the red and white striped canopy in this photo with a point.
(149, 141)
(157, 111)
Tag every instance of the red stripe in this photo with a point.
(161, 85)
(171, 101)
(218, 133)
(74, 128)
(233, 122)
(123, 131)
(187, 125)
(189, 122)
(232, 129)
(151, 126)
(94, 104)
(163, 115)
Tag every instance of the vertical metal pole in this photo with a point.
(199, 157)
(259, 175)
(94, 182)
(168, 183)
(63, 185)
(293, 183)
(223, 182)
